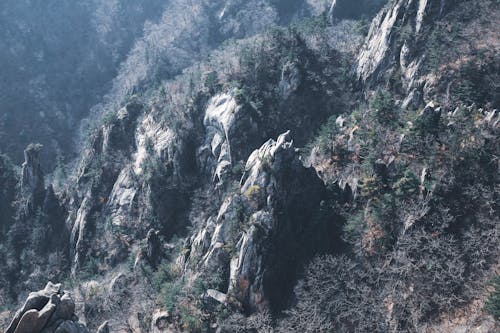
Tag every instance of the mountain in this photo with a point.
(266, 166)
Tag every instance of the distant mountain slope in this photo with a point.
(270, 166)
(58, 58)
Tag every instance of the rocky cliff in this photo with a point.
(297, 179)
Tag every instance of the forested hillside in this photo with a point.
(253, 166)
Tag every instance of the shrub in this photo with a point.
(253, 192)
(492, 305)
(407, 185)
(384, 108)
(170, 292)
(325, 139)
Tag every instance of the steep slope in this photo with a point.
(292, 180)
(439, 50)
(191, 136)
(194, 145)
(187, 32)
(58, 59)
(419, 159)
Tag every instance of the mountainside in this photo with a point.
(257, 166)
(59, 58)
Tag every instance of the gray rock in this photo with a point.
(47, 311)
(261, 217)
(383, 46)
(66, 308)
(71, 327)
(153, 250)
(36, 300)
(217, 295)
(227, 129)
(33, 181)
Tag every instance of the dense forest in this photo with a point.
(249, 166)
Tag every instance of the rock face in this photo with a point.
(228, 127)
(112, 142)
(394, 37)
(47, 311)
(259, 234)
(32, 181)
(153, 250)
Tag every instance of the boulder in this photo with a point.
(47, 311)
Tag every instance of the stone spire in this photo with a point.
(32, 181)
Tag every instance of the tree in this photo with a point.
(492, 305)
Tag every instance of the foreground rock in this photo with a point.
(50, 310)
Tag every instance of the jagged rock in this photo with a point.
(66, 308)
(383, 47)
(79, 234)
(35, 300)
(429, 117)
(223, 121)
(153, 132)
(33, 320)
(33, 181)
(123, 198)
(276, 194)
(116, 135)
(47, 311)
(153, 250)
(378, 42)
(32, 178)
(413, 100)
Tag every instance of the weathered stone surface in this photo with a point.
(47, 311)
(122, 198)
(227, 126)
(258, 228)
(217, 295)
(153, 250)
(36, 300)
(386, 46)
(33, 179)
